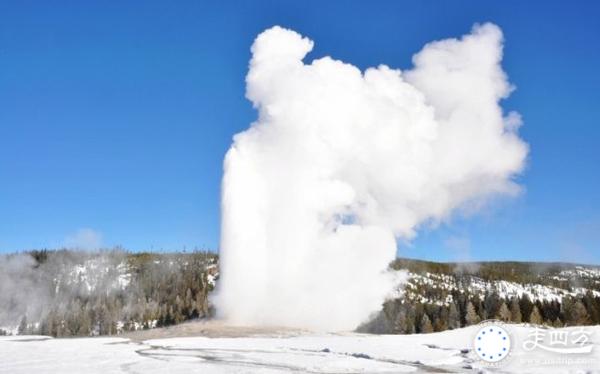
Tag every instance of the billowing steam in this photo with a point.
(341, 163)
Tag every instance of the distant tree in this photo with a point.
(426, 326)
(411, 324)
(579, 314)
(491, 303)
(526, 307)
(480, 308)
(44, 327)
(189, 303)
(378, 325)
(453, 317)
(535, 317)
(440, 320)
(515, 311)
(22, 330)
(178, 310)
(550, 310)
(201, 304)
(565, 310)
(589, 301)
(85, 323)
(400, 324)
(503, 313)
(557, 323)
(471, 317)
(56, 325)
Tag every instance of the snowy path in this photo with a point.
(449, 351)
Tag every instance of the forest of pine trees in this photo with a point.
(70, 293)
(401, 317)
(161, 290)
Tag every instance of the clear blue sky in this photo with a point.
(115, 115)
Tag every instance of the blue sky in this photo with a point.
(115, 116)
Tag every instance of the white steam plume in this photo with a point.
(341, 163)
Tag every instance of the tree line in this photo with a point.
(113, 292)
(400, 316)
(74, 293)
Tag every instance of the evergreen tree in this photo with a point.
(503, 313)
(557, 323)
(535, 317)
(491, 303)
(526, 307)
(426, 326)
(471, 317)
(590, 305)
(400, 325)
(22, 330)
(453, 317)
(579, 314)
(411, 325)
(479, 307)
(440, 319)
(515, 310)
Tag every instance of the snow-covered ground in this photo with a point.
(449, 351)
(505, 289)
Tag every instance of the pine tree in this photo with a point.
(189, 303)
(201, 304)
(453, 317)
(579, 314)
(535, 317)
(440, 319)
(426, 326)
(491, 304)
(526, 307)
(590, 306)
(503, 313)
(22, 330)
(400, 325)
(557, 323)
(411, 323)
(85, 323)
(515, 311)
(479, 307)
(471, 316)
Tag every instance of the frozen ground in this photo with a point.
(279, 351)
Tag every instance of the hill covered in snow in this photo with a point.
(441, 296)
(76, 293)
(71, 293)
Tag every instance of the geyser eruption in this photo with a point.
(342, 163)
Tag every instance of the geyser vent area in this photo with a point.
(341, 163)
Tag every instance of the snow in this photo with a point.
(92, 272)
(317, 353)
(10, 330)
(581, 272)
(505, 289)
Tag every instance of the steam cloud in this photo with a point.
(341, 163)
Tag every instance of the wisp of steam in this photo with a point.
(342, 163)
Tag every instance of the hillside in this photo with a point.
(431, 282)
(70, 293)
(73, 293)
(440, 296)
